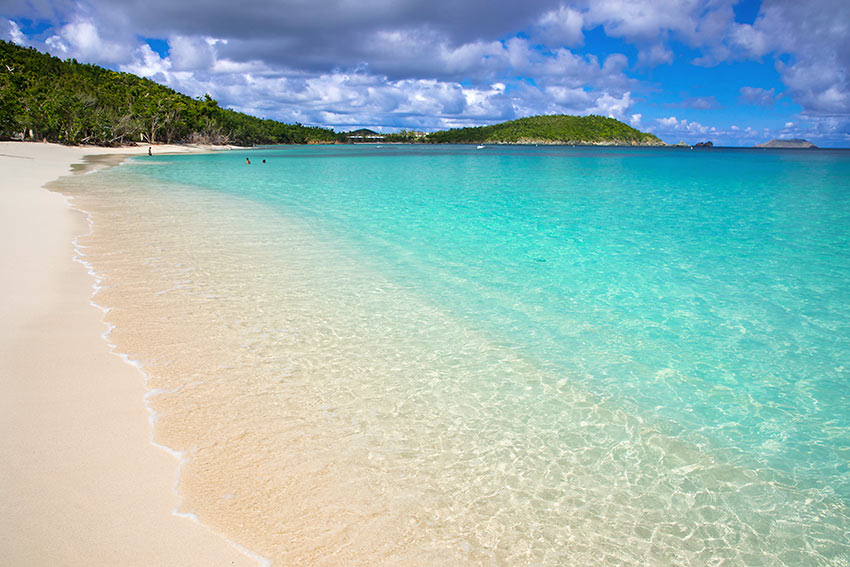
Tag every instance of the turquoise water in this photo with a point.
(702, 297)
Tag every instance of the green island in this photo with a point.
(45, 98)
(550, 129)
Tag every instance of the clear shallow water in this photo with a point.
(410, 355)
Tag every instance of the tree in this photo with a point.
(70, 102)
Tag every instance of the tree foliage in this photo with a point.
(43, 97)
(556, 128)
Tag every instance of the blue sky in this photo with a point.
(733, 72)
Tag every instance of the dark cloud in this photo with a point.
(461, 21)
(431, 64)
(319, 36)
(52, 10)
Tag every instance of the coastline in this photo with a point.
(83, 484)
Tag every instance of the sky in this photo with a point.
(736, 73)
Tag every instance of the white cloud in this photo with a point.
(757, 96)
(826, 132)
(612, 106)
(191, 53)
(13, 33)
(650, 25)
(674, 130)
(641, 21)
(565, 83)
(655, 54)
(673, 126)
(487, 102)
(57, 46)
(562, 26)
(564, 68)
(82, 40)
(754, 42)
(815, 34)
(821, 86)
(147, 63)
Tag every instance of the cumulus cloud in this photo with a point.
(815, 34)
(405, 64)
(562, 26)
(81, 39)
(675, 128)
(655, 54)
(650, 25)
(147, 63)
(11, 31)
(408, 62)
(640, 21)
(191, 53)
(360, 97)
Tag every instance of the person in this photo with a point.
(247, 161)
(264, 161)
(149, 151)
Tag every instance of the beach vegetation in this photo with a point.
(45, 98)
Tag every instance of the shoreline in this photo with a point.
(83, 481)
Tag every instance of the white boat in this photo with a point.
(479, 148)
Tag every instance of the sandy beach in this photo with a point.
(80, 481)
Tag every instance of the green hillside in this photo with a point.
(551, 129)
(43, 97)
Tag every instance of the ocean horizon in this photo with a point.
(513, 355)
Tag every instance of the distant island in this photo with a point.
(788, 144)
(43, 98)
(550, 129)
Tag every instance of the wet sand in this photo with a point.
(80, 481)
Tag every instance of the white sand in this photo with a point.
(80, 482)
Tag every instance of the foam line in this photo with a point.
(153, 416)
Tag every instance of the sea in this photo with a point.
(509, 355)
